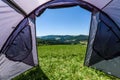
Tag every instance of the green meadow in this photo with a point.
(63, 62)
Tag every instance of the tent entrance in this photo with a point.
(62, 36)
(96, 53)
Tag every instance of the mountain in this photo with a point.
(62, 39)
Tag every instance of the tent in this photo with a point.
(18, 40)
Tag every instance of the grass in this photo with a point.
(63, 62)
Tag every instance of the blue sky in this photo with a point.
(64, 21)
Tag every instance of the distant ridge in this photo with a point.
(62, 39)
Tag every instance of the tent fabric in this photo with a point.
(18, 36)
(113, 10)
(7, 15)
(31, 4)
(92, 34)
(9, 69)
(98, 3)
(105, 50)
(17, 42)
(17, 56)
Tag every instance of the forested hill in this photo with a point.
(61, 39)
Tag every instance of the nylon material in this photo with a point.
(107, 20)
(113, 10)
(60, 3)
(98, 3)
(7, 29)
(4, 8)
(102, 35)
(54, 1)
(40, 10)
(93, 30)
(14, 34)
(52, 4)
(111, 25)
(107, 32)
(10, 69)
(34, 49)
(27, 37)
(31, 4)
(110, 48)
(8, 18)
(109, 66)
(20, 47)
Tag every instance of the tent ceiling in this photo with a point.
(31, 4)
(98, 3)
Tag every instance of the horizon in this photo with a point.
(62, 35)
(63, 21)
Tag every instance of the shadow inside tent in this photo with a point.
(33, 74)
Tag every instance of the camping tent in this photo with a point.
(18, 42)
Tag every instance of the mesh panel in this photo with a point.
(21, 46)
(107, 42)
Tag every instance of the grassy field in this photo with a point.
(63, 62)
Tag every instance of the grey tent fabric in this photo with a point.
(28, 9)
(7, 15)
(113, 10)
(92, 33)
(17, 42)
(98, 3)
(18, 37)
(17, 54)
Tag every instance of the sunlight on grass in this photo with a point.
(63, 62)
